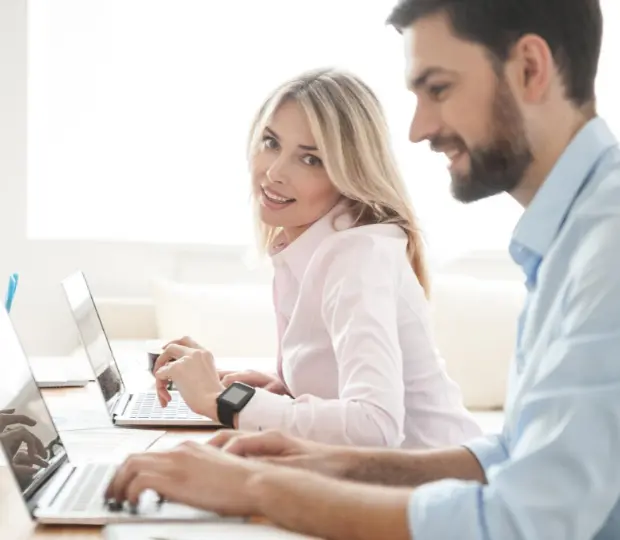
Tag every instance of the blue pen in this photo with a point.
(10, 293)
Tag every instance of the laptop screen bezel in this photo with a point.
(79, 275)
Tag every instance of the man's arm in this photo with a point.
(327, 508)
(389, 467)
(203, 477)
(411, 469)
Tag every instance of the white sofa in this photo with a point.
(475, 305)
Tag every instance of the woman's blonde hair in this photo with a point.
(349, 127)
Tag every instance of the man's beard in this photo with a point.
(498, 166)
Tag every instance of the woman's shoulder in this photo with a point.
(380, 246)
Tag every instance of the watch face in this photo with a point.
(235, 395)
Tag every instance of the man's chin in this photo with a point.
(466, 190)
(460, 188)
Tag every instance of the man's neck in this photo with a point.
(552, 145)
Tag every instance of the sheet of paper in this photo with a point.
(108, 444)
(77, 418)
(172, 440)
(77, 408)
(212, 531)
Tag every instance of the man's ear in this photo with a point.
(533, 68)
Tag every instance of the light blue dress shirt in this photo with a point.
(554, 471)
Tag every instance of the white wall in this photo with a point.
(114, 269)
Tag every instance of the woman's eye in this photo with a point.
(311, 160)
(270, 142)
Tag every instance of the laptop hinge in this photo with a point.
(121, 405)
(35, 491)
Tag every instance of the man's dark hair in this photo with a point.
(572, 28)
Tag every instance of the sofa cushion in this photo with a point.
(231, 320)
(475, 323)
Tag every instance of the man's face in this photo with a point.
(466, 110)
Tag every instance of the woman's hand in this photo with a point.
(256, 379)
(171, 353)
(192, 474)
(196, 379)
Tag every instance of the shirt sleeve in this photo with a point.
(359, 310)
(562, 478)
(489, 450)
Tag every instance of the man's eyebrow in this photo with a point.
(423, 77)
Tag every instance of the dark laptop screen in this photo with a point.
(29, 438)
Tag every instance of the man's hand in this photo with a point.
(27, 460)
(12, 441)
(185, 341)
(256, 379)
(280, 449)
(192, 474)
(196, 379)
(270, 443)
(24, 474)
(7, 418)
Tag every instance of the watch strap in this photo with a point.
(225, 414)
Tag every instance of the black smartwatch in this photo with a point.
(231, 401)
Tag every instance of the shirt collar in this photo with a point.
(298, 253)
(544, 217)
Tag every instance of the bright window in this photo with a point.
(139, 111)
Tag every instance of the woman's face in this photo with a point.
(289, 180)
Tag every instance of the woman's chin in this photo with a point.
(271, 218)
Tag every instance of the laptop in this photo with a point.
(53, 489)
(125, 408)
(48, 372)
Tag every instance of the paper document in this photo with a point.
(210, 531)
(110, 445)
(172, 440)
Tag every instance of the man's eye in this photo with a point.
(438, 90)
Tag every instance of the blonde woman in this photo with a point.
(357, 364)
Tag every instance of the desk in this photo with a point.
(15, 522)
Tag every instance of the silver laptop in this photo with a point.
(125, 408)
(54, 490)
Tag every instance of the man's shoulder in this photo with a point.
(601, 196)
(588, 245)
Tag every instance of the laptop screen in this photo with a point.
(29, 438)
(93, 337)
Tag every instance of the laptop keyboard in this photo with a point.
(146, 406)
(87, 492)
